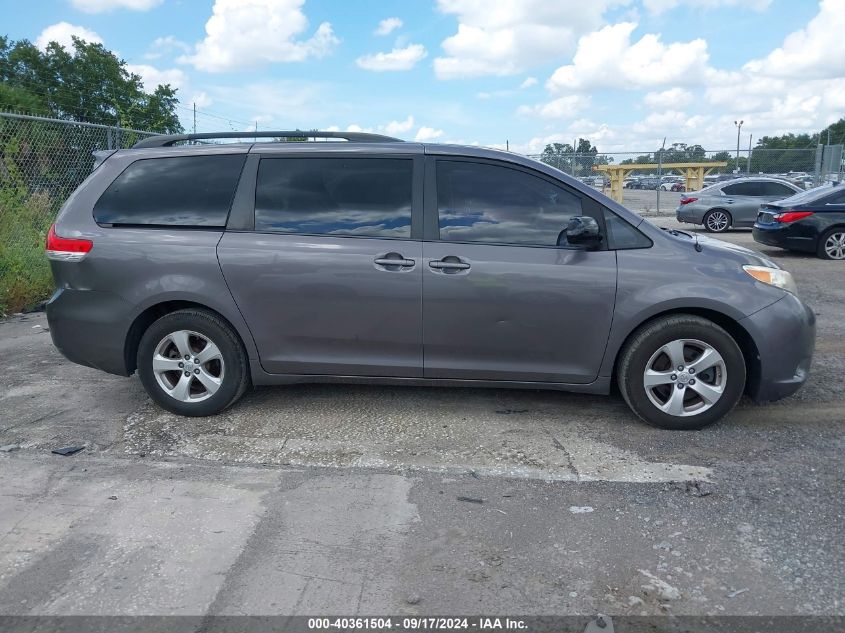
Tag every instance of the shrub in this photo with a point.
(25, 277)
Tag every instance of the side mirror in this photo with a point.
(581, 231)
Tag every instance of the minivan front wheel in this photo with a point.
(192, 363)
(681, 372)
(717, 221)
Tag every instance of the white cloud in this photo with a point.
(166, 45)
(672, 98)
(153, 77)
(394, 128)
(243, 33)
(61, 32)
(607, 58)
(504, 37)
(659, 6)
(199, 99)
(425, 134)
(388, 25)
(397, 59)
(292, 104)
(529, 81)
(561, 108)
(814, 52)
(101, 6)
(798, 87)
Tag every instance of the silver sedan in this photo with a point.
(733, 203)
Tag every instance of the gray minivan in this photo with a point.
(208, 268)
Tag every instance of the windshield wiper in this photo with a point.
(677, 232)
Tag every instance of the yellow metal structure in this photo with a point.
(693, 172)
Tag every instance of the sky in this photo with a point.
(522, 73)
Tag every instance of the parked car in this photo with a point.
(679, 186)
(812, 221)
(648, 182)
(731, 204)
(207, 268)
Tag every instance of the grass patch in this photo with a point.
(25, 277)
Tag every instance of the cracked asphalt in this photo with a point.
(321, 499)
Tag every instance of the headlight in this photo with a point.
(773, 277)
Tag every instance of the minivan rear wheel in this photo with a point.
(192, 363)
(681, 372)
(717, 221)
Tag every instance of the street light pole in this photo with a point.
(738, 125)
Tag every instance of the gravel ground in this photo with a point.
(348, 499)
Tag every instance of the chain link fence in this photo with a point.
(41, 162)
(653, 189)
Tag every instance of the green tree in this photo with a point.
(558, 155)
(837, 132)
(88, 83)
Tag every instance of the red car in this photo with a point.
(679, 186)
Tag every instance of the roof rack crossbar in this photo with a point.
(166, 140)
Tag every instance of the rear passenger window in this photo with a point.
(367, 197)
(479, 202)
(751, 188)
(187, 191)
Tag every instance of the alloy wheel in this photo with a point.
(188, 366)
(685, 377)
(834, 245)
(717, 221)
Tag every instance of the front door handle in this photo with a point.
(446, 264)
(394, 260)
(384, 261)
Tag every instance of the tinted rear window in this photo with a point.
(750, 188)
(368, 197)
(189, 191)
(808, 197)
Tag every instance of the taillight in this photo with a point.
(66, 249)
(791, 216)
(687, 199)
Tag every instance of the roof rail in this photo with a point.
(166, 140)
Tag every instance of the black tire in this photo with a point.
(646, 342)
(235, 377)
(820, 249)
(711, 216)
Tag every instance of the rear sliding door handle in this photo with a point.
(448, 265)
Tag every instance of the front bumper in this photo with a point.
(785, 335)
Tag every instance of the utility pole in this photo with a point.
(748, 166)
(660, 173)
(738, 125)
(195, 117)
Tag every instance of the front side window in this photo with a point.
(777, 189)
(621, 235)
(479, 202)
(366, 197)
(182, 191)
